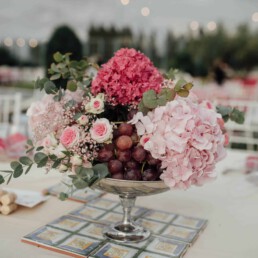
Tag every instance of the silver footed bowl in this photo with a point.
(131, 188)
(127, 230)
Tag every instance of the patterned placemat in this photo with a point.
(82, 195)
(79, 233)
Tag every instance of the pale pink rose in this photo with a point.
(96, 104)
(70, 136)
(83, 120)
(101, 130)
(49, 141)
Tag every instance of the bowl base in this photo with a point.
(126, 233)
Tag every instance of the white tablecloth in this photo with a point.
(230, 204)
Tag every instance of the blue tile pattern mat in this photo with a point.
(79, 233)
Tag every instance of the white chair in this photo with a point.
(10, 113)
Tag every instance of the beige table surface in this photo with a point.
(230, 204)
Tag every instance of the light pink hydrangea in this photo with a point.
(45, 117)
(125, 77)
(186, 137)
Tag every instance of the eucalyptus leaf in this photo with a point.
(55, 76)
(79, 183)
(142, 108)
(180, 83)
(28, 169)
(150, 99)
(72, 86)
(50, 88)
(25, 161)
(183, 93)
(39, 157)
(188, 86)
(63, 196)
(56, 163)
(223, 110)
(1, 179)
(101, 170)
(58, 57)
(237, 116)
(18, 171)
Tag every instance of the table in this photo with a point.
(230, 204)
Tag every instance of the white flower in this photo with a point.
(76, 160)
(101, 130)
(96, 104)
(58, 151)
(83, 120)
(63, 168)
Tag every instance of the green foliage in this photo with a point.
(63, 40)
(231, 113)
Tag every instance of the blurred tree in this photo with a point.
(6, 58)
(63, 40)
(153, 52)
(140, 43)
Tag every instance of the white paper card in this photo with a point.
(27, 198)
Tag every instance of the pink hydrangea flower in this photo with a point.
(126, 76)
(186, 137)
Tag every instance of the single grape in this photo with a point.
(105, 155)
(133, 174)
(151, 161)
(131, 164)
(124, 142)
(125, 129)
(115, 133)
(139, 153)
(118, 176)
(115, 166)
(123, 156)
(150, 174)
(131, 114)
(109, 146)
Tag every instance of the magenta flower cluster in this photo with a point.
(125, 77)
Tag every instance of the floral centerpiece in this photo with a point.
(128, 122)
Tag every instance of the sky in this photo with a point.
(38, 18)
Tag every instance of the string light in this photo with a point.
(194, 25)
(255, 17)
(125, 2)
(8, 42)
(33, 43)
(20, 42)
(145, 11)
(211, 25)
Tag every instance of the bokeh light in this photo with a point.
(125, 2)
(212, 25)
(145, 11)
(255, 17)
(194, 25)
(20, 42)
(8, 42)
(33, 43)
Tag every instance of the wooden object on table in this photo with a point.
(8, 198)
(7, 209)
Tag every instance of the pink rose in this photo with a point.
(101, 130)
(96, 104)
(70, 136)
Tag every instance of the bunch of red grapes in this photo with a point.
(127, 159)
